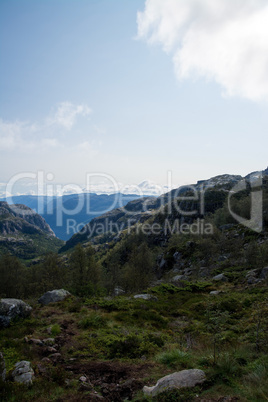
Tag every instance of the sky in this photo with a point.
(128, 92)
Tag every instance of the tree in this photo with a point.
(53, 273)
(11, 274)
(216, 320)
(137, 273)
(85, 271)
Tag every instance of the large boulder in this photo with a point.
(220, 278)
(2, 368)
(264, 273)
(53, 296)
(145, 296)
(180, 379)
(11, 309)
(23, 373)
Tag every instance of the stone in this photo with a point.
(177, 256)
(23, 373)
(145, 296)
(50, 349)
(49, 341)
(222, 258)
(251, 277)
(178, 278)
(220, 278)
(214, 292)
(53, 296)
(11, 309)
(162, 263)
(203, 272)
(118, 291)
(181, 379)
(35, 341)
(55, 357)
(46, 360)
(83, 378)
(2, 368)
(264, 273)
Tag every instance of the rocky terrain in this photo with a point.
(24, 233)
(143, 316)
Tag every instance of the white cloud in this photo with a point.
(67, 113)
(26, 136)
(50, 143)
(221, 40)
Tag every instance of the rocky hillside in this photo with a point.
(24, 233)
(205, 197)
(19, 218)
(57, 210)
(140, 306)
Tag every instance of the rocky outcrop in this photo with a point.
(11, 309)
(53, 296)
(181, 379)
(23, 373)
(255, 275)
(19, 218)
(145, 296)
(220, 278)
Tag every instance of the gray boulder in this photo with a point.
(178, 278)
(220, 278)
(181, 379)
(264, 273)
(2, 368)
(252, 276)
(23, 373)
(145, 296)
(53, 296)
(214, 292)
(118, 291)
(11, 309)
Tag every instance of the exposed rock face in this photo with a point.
(181, 379)
(53, 296)
(264, 273)
(220, 278)
(118, 291)
(2, 368)
(19, 218)
(13, 308)
(145, 296)
(23, 373)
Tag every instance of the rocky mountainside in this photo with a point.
(71, 210)
(204, 197)
(20, 218)
(24, 233)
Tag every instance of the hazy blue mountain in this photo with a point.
(68, 214)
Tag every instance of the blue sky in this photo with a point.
(133, 89)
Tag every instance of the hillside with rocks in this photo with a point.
(24, 233)
(142, 314)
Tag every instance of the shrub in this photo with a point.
(55, 329)
(174, 358)
(94, 320)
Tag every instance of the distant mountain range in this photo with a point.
(148, 208)
(68, 214)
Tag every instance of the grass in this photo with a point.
(168, 335)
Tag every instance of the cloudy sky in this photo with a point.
(133, 89)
